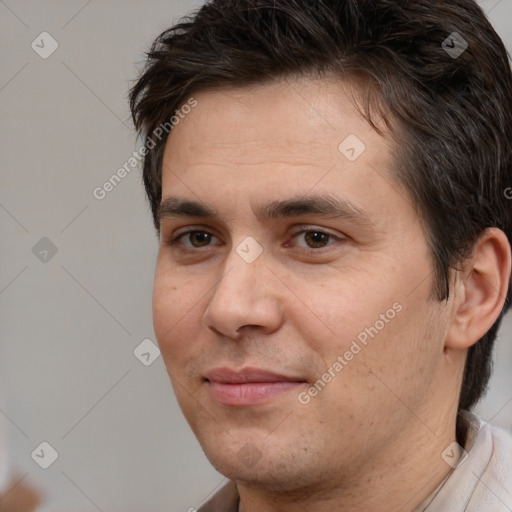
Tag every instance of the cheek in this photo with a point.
(175, 317)
(164, 316)
(395, 368)
(340, 310)
(371, 325)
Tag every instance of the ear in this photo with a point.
(480, 290)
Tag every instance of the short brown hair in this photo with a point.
(451, 115)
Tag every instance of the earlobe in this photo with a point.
(481, 289)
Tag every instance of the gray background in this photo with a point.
(69, 325)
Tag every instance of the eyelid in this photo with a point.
(312, 227)
(176, 238)
(308, 228)
(183, 230)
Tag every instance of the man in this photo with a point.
(328, 181)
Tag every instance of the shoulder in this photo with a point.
(500, 465)
(482, 480)
(493, 490)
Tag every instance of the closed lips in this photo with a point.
(248, 375)
(248, 387)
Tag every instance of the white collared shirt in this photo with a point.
(482, 482)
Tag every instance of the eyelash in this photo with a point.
(174, 241)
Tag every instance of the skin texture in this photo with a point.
(372, 438)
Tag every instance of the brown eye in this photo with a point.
(314, 239)
(196, 239)
(199, 238)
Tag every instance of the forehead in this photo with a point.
(275, 141)
(299, 122)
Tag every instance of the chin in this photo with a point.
(237, 457)
(244, 462)
(283, 477)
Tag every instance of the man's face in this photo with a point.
(342, 301)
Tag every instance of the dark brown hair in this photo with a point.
(450, 115)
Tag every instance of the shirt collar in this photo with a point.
(456, 490)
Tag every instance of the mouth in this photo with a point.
(249, 386)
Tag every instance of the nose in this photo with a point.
(245, 297)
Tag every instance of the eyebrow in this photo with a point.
(325, 205)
